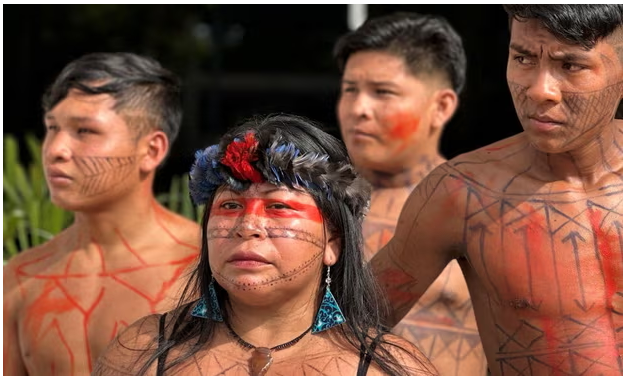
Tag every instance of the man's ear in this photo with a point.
(444, 105)
(155, 146)
(332, 251)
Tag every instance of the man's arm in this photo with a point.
(12, 356)
(427, 237)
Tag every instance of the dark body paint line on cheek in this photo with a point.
(257, 207)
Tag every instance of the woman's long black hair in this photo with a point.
(352, 283)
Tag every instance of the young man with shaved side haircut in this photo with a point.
(536, 220)
(110, 119)
(401, 78)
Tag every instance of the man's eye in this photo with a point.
(349, 89)
(572, 67)
(384, 92)
(523, 60)
(51, 127)
(85, 131)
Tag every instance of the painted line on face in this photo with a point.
(258, 207)
(286, 276)
(101, 172)
(271, 232)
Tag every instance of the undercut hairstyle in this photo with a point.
(147, 95)
(428, 44)
(584, 25)
(352, 282)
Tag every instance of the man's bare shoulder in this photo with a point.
(181, 230)
(446, 191)
(409, 356)
(506, 154)
(489, 168)
(35, 259)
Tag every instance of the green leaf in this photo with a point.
(174, 203)
(22, 235)
(34, 147)
(10, 191)
(188, 209)
(11, 156)
(9, 249)
(23, 186)
(34, 217)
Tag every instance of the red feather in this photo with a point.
(239, 155)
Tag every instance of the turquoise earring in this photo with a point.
(201, 309)
(329, 315)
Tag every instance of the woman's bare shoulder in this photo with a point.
(131, 349)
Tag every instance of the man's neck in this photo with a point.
(423, 164)
(589, 164)
(118, 222)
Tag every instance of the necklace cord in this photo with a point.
(275, 348)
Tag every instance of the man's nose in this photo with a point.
(56, 147)
(362, 106)
(544, 88)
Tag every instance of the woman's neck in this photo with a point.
(271, 325)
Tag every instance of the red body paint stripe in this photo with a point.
(604, 244)
(257, 207)
(552, 344)
(493, 149)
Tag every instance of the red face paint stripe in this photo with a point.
(257, 207)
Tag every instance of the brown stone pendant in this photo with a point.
(260, 361)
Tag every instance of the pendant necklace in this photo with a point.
(262, 358)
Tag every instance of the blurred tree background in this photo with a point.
(240, 60)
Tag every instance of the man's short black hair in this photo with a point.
(428, 44)
(584, 25)
(135, 82)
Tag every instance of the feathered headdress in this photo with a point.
(281, 163)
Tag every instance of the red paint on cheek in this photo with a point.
(264, 208)
(403, 126)
(604, 244)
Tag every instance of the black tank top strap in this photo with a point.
(365, 357)
(162, 340)
(163, 356)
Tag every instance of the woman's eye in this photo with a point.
(279, 206)
(230, 205)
